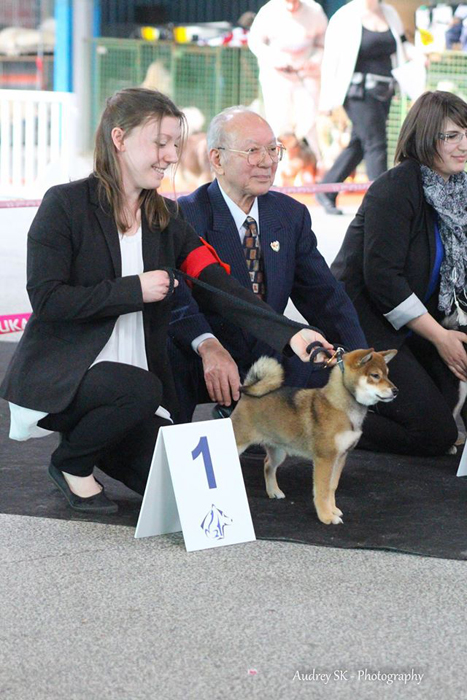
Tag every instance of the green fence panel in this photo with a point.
(209, 78)
(213, 78)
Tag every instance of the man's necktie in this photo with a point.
(254, 260)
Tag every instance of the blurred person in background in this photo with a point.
(364, 41)
(267, 240)
(404, 265)
(238, 35)
(457, 32)
(287, 38)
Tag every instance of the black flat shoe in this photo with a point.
(254, 452)
(98, 504)
(327, 204)
(220, 411)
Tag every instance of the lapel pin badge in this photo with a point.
(276, 246)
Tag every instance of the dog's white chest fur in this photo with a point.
(347, 439)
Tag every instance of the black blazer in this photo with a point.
(388, 252)
(77, 293)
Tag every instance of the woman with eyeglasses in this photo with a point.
(404, 262)
(92, 363)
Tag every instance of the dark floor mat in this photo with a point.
(408, 504)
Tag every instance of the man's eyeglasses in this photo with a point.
(453, 136)
(257, 154)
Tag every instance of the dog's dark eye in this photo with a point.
(374, 375)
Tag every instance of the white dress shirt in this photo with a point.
(239, 217)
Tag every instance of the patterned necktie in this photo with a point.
(254, 260)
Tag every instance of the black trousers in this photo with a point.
(368, 140)
(419, 421)
(110, 424)
(187, 369)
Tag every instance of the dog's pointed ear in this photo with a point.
(388, 355)
(366, 358)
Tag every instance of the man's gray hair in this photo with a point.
(216, 135)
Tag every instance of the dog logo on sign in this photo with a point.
(214, 523)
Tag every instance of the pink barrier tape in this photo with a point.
(304, 189)
(325, 187)
(18, 203)
(13, 323)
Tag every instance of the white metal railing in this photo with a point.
(37, 140)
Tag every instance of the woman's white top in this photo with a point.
(125, 345)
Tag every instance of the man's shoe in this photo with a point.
(327, 204)
(220, 411)
(98, 504)
(254, 452)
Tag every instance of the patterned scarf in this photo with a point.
(449, 199)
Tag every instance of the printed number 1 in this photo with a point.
(202, 448)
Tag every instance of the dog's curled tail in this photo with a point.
(264, 376)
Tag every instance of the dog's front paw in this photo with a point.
(330, 518)
(276, 493)
(337, 511)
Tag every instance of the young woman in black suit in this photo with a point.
(404, 264)
(92, 362)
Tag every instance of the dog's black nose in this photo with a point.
(395, 391)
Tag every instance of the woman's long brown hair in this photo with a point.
(128, 109)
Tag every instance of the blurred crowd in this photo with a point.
(326, 88)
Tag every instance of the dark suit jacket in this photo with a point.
(77, 293)
(388, 253)
(297, 270)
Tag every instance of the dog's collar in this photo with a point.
(337, 356)
(339, 360)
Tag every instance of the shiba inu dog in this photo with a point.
(320, 424)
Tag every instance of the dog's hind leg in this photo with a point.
(274, 458)
(323, 498)
(243, 436)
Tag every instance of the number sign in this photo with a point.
(196, 484)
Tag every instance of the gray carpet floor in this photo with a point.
(88, 612)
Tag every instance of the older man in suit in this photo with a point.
(267, 240)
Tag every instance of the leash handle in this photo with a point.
(171, 275)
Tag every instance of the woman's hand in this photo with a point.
(155, 285)
(450, 345)
(301, 340)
